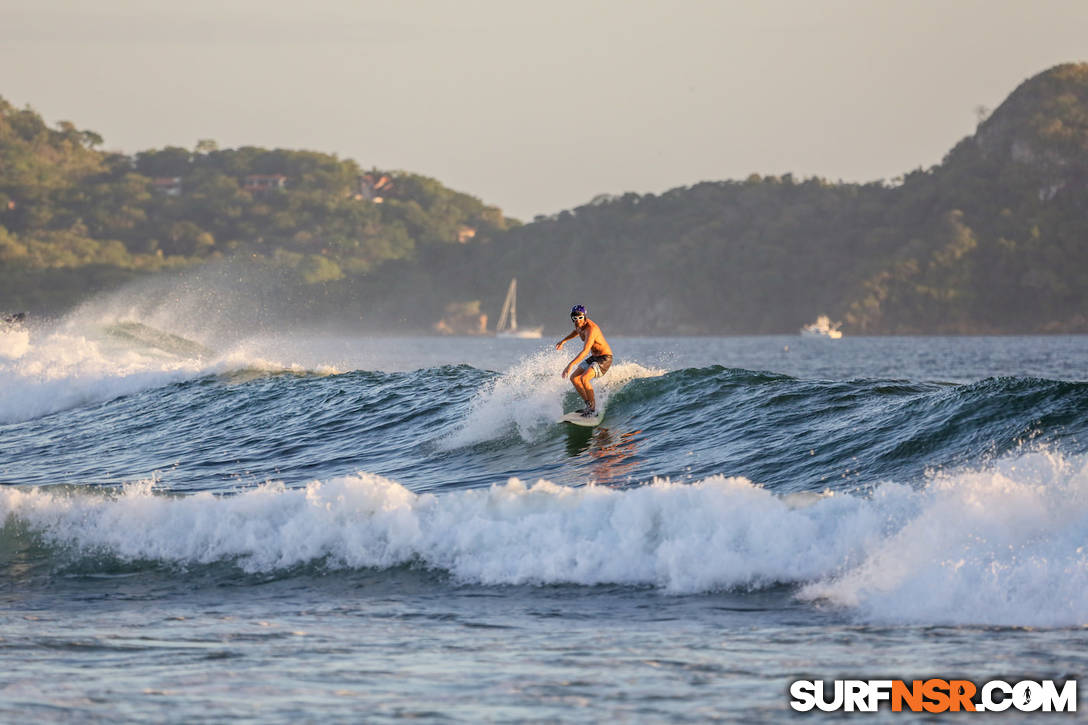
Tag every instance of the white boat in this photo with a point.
(822, 327)
(508, 318)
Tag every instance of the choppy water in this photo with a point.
(202, 527)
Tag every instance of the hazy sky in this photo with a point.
(539, 106)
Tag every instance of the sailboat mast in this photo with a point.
(508, 319)
(514, 303)
(506, 306)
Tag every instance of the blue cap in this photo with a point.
(577, 310)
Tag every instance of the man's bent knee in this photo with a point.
(586, 375)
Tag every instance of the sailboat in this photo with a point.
(508, 318)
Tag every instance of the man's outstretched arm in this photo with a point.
(572, 335)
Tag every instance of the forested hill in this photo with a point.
(992, 240)
(75, 219)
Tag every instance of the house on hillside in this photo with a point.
(264, 183)
(371, 188)
(169, 185)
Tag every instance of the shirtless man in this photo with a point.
(595, 365)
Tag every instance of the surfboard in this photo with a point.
(578, 419)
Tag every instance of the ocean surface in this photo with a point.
(208, 525)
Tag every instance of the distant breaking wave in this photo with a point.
(46, 371)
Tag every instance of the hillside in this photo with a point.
(994, 239)
(74, 219)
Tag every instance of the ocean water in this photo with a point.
(201, 525)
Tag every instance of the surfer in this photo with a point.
(593, 361)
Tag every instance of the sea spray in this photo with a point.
(530, 397)
(63, 370)
(14, 341)
(76, 363)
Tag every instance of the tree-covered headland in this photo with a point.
(75, 220)
(994, 239)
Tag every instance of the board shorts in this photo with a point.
(599, 363)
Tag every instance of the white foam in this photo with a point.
(1001, 546)
(77, 363)
(529, 397)
(62, 369)
(14, 342)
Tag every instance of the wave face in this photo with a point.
(898, 500)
